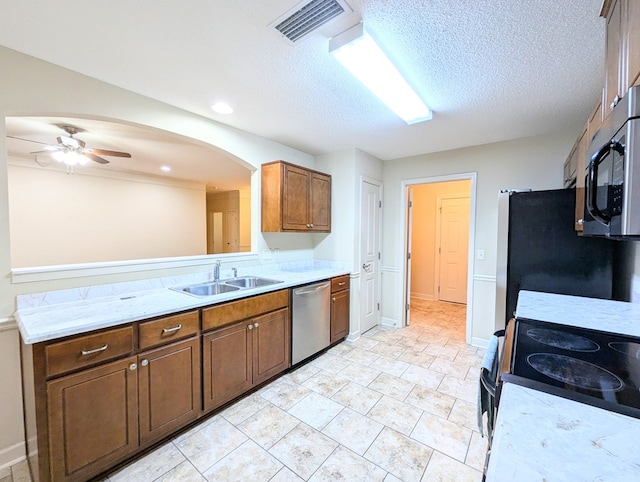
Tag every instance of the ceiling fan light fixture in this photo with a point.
(358, 52)
(70, 157)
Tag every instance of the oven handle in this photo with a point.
(592, 185)
(488, 378)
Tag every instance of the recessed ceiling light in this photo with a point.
(222, 108)
(165, 168)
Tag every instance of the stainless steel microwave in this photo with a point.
(612, 175)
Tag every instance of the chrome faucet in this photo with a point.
(216, 271)
(235, 272)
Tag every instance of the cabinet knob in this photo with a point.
(250, 327)
(333, 298)
(580, 222)
(133, 366)
(256, 325)
(144, 362)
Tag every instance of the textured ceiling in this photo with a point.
(491, 70)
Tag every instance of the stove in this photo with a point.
(589, 366)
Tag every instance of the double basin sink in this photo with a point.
(226, 286)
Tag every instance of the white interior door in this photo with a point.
(453, 249)
(370, 205)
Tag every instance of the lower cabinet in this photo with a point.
(243, 355)
(93, 420)
(339, 308)
(168, 388)
(101, 415)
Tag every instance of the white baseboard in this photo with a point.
(353, 336)
(12, 455)
(391, 322)
(422, 296)
(481, 342)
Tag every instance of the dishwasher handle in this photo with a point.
(311, 289)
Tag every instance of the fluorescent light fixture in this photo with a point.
(222, 108)
(361, 55)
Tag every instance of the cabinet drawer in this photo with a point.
(340, 283)
(239, 310)
(167, 329)
(88, 350)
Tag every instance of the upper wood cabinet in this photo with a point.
(622, 50)
(295, 199)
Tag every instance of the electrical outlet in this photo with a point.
(276, 253)
(266, 253)
(480, 254)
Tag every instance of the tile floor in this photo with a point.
(395, 405)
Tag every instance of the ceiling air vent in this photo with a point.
(307, 17)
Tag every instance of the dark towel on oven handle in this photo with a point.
(484, 397)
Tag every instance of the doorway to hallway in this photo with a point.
(438, 221)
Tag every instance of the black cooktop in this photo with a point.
(594, 367)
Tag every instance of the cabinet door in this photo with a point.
(320, 202)
(227, 363)
(339, 315)
(613, 57)
(169, 388)
(93, 419)
(633, 42)
(581, 153)
(295, 202)
(272, 345)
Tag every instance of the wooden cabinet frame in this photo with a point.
(295, 199)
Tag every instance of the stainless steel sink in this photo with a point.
(250, 282)
(226, 286)
(209, 289)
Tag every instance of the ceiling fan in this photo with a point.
(72, 151)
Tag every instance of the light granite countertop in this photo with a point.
(604, 315)
(56, 314)
(542, 437)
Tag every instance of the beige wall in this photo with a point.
(56, 218)
(532, 162)
(423, 239)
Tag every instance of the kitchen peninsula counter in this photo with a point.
(56, 314)
(539, 436)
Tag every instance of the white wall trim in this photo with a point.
(390, 269)
(68, 271)
(485, 278)
(11, 455)
(7, 324)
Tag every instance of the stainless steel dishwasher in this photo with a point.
(311, 317)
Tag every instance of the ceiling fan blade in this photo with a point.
(30, 140)
(105, 152)
(95, 158)
(51, 150)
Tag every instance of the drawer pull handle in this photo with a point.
(95, 350)
(171, 330)
(342, 284)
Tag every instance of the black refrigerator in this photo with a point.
(539, 250)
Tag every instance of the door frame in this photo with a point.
(436, 271)
(379, 185)
(403, 233)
